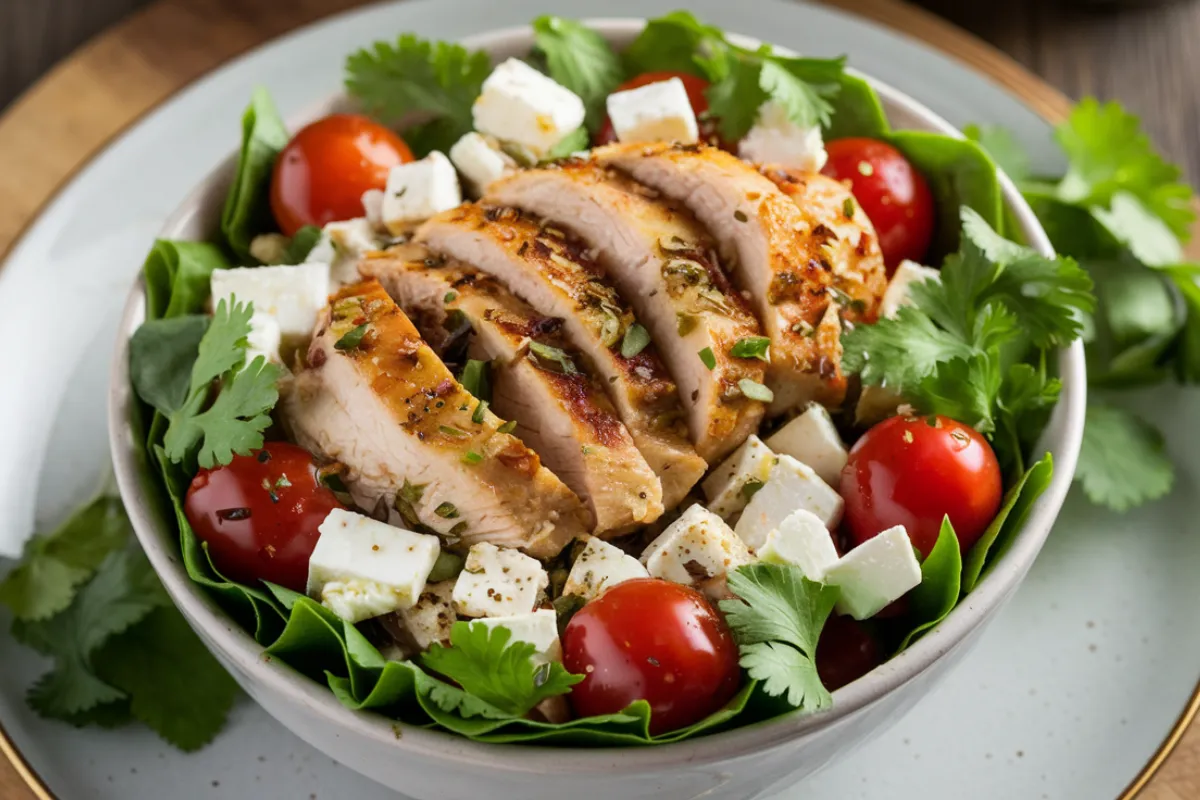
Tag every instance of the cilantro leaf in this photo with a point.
(501, 672)
(777, 603)
(55, 563)
(187, 707)
(900, 352)
(580, 59)
(962, 389)
(1145, 235)
(235, 420)
(1122, 463)
(1109, 153)
(123, 591)
(1004, 149)
(786, 671)
(674, 42)
(802, 87)
(736, 97)
(440, 80)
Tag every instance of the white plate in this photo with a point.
(1071, 691)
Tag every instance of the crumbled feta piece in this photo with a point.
(875, 574)
(792, 486)
(775, 139)
(803, 541)
(372, 201)
(812, 439)
(498, 582)
(362, 568)
(539, 629)
(519, 104)
(897, 293)
(269, 248)
(734, 482)
(418, 190)
(292, 295)
(656, 112)
(480, 162)
(695, 547)
(264, 339)
(431, 617)
(351, 239)
(600, 566)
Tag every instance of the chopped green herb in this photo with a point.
(451, 431)
(752, 347)
(447, 566)
(508, 427)
(755, 390)
(476, 380)
(446, 511)
(848, 208)
(684, 324)
(750, 488)
(710, 361)
(450, 297)
(480, 412)
(353, 338)
(471, 457)
(548, 357)
(636, 339)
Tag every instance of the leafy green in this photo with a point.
(1004, 149)
(302, 244)
(177, 277)
(572, 143)
(674, 42)
(475, 379)
(1123, 462)
(490, 666)
(777, 618)
(56, 563)
(580, 59)
(161, 352)
(235, 420)
(1008, 521)
(941, 584)
(247, 210)
(856, 111)
(752, 347)
(438, 80)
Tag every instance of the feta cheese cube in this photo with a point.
(791, 487)
(775, 139)
(897, 293)
(265, 339)
(600, 566)
(734, 482)
(418, 190)
(803, 541)
(539, 629)
(812, 439)
(292, 295)
(695, 547)
(519, 104)
(656, 112)
(269, 248)
(498, 582)
(351, 240)
(875, 574)
(372, 200)
(479, 162)
(362, 568)
(430, 618)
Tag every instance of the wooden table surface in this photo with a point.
(1147, 57)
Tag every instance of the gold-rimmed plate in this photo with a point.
(1069, 695)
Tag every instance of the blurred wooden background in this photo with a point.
(1146, 55)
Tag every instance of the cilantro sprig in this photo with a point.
(580, 59)
(210, 433)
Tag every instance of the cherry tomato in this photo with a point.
(259, 514)
(695, 87)
(893, 194)
(846, 652)
(321, 175)
(913, 471)
(651, 640)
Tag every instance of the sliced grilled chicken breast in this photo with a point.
(770, 247)
(550, 270)
(373, 396)
(660, 261)
(537, 380)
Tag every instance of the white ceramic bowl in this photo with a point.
(431, 765)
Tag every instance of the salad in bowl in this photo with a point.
(624, 391)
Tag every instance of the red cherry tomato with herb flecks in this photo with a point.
(891, 191)
(259, 514)
(323, 171)
(647, 639)
(914, 471)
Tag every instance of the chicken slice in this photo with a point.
(373, 396)
(773, 250)
(537, 380)
(660, 261)
(551, 272)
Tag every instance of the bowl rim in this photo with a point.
(239, 649)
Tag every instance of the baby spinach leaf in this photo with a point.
(161, 355)
(941, 584)
(1008, 522)
(247, 210)
(177, 277)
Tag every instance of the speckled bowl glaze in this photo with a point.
(747, 762)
